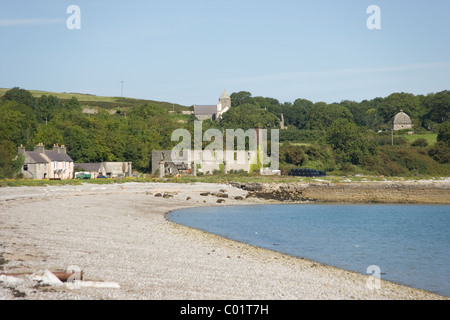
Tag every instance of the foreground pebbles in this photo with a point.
(118, 235)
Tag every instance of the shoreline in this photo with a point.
(120, 233)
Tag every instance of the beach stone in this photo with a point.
(238, 198)
(158, 195)
(205, 193)
(220, 200)
(221, 195)
(252, 186)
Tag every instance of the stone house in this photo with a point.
(206, 161)
(47, 164)
(209, 160)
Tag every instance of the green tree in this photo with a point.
(149, 128)
(349, 141)
(395, 102)
(10, 165)
(438, 107)
(49, 134)
(322, 115)
(73, 104)
(241, 97)
(47, 107)
(295, 114)
(270, 104)
(79, 145)
(358, 110)
(248, 116)
(17, 123)
(292, 154)
(444, 133)
(21, 96)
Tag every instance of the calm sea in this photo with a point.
(409, 243)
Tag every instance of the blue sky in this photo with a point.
(188, 52)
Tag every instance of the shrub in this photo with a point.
(421, 142)
(444, 133)
(292, 154)
(440, 152)
(406, 161)
(385, 140)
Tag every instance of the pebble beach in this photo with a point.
(118, 233)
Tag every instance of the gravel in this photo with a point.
(117, 233)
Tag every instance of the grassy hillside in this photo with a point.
(91, 101)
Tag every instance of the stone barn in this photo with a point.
(401, 121)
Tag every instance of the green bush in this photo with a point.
(444, 133)
(293, 134)
(421, 142)
(440, 152)
(385, 140)
(406, 161)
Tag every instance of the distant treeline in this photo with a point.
(345, 137)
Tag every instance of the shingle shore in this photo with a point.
(118, 233)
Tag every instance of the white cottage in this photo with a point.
(47, 164)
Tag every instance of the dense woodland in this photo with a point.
(340, 138)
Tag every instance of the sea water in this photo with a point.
(410, 244)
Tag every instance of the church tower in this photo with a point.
(225, 101)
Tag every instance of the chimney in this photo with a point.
(21, 150)
(130, 170)
(63, 149)
(40, 148)
(56, 148)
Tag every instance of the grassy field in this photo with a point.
(93, 101)
(431, 138)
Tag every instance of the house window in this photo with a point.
(25, 167)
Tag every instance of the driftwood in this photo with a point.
(62, 276)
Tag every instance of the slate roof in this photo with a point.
(55, 156)
(91, 167)
(36, 157)
(402, 118)
(205, 109)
